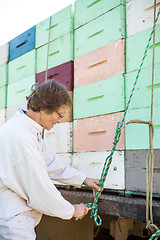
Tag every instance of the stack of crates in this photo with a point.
(4, 52)
(139, 16)
(99, 99)
(60, 67)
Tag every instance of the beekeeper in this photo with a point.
(27, 166)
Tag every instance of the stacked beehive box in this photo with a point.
(99, 101)
(60, 67)
(140, 15)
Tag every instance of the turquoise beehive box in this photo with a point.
(98, 98)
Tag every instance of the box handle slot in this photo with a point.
(21, 44)
(97, 64)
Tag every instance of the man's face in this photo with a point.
(47, 121)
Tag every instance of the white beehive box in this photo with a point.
(2, 116)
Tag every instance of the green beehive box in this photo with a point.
(87, 10)
(142, 94)
(102, 97)
(22, 67)
(3, 75)
(100, 32)
(137, 135)
(17, 91)
(135, 47)
(3, 96)
(61, 24)
(60, 51)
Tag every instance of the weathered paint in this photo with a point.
(4, 53)
(102, 97)
(3, 75)
(3, 95)
(97, 133)
(92, 164)
(135, 164)
(140, 15)
(59, 138)
(60, 51)
(100, 31)
(22, 44)
(17, 91)
(61, 24)
(100, 64)
(62, 73)
(135, 47)
(2, 116)
(87, 10)
(21, 67)
(137, 135)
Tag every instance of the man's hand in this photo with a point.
(80, 210)
(92, 183)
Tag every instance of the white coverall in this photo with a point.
(27, 166)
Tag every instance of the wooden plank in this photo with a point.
(100, 64)
(2, 116)
(87, 10)
(100, 32)
(102, 97)
(59, 138)
(112, 204)
(22, 67)
(4, 53)
(60, 51)
(92, 164)
(137, 135)
(17, 91)
(136, 170)
(143, 90)
(61, 24)
(22, 44)
(140, 15)
(97, 133)
(119, 229)
(63, 73)
(135, 47)
(3, 75)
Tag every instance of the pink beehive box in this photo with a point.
(97, 133)
(100, 64)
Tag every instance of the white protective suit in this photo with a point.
(27, 166)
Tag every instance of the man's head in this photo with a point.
(47, 103)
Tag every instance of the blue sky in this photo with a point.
(16, 16)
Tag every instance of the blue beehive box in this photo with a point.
(22, 44)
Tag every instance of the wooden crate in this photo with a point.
(137, 135)
(2, 116)
(62, 73)
(97, 133)
(92, 164)
(22, 44)
(140, 15)
(142, 94)
(3, 75)
(4, 53)
(100, 64)
(61, 24)
(60, 51)
(18, 91)
(59, 138)
(135, 47)
(3, 97)
(87, 10)
(135, 164)
(100, 32)
(11, 111)
(21, 67)
(102, 97)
